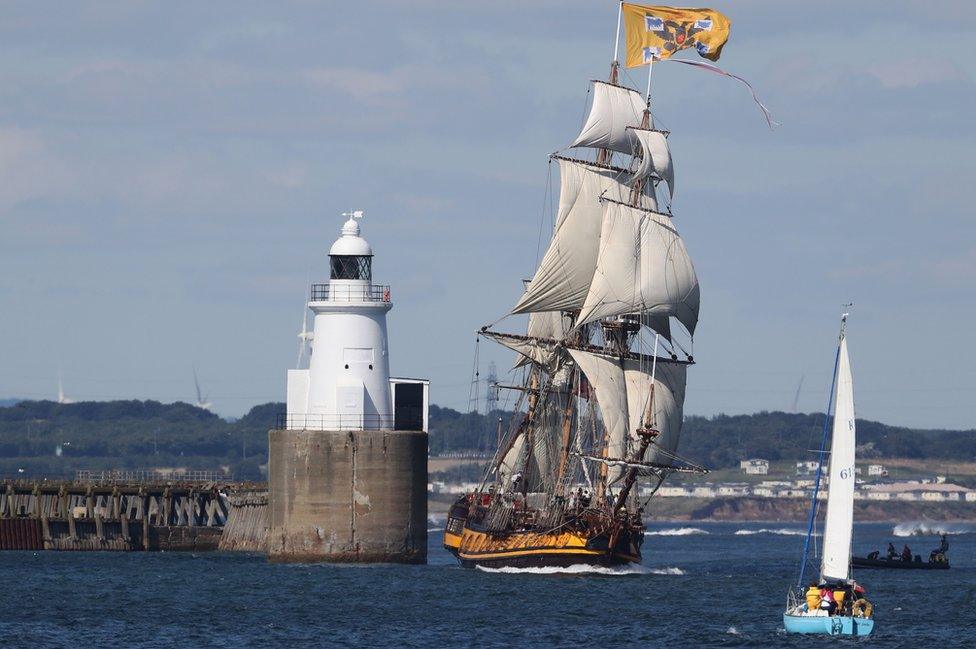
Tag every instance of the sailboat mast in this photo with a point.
(823, 451)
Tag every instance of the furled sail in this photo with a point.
(655, 157)
(623, 391)
(566, 271)
(614, 108)
(840, 497)
(643, 267)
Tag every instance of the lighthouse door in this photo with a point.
(408, 408)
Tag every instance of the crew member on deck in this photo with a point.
(939, 553)
(827, 601)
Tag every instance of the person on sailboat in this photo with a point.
(827, 601)
(906, 553)
(892, 553)
(938, 555)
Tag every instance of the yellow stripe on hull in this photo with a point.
(452, 542)
(478, 544)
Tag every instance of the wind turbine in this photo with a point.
(203, 401)
(61, 398)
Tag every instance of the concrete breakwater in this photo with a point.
(73, 515)
(246, 529)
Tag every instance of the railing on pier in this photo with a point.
(149, 476)
(349, 293)
(293, 421)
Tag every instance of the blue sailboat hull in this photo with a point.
(828, 625)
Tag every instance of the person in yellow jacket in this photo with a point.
(813, 597)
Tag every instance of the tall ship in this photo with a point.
(612, 310)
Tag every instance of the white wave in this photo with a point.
(434, 529)
(930, 529)
(733, 631)
(583, 569)
(675, 531)
(666, 571)
(783, 531)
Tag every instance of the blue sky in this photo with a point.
(172, 177)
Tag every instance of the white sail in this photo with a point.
(655, 158)
(541, 353)
(623, 390)
(614, 109)
(548, 325)
(566, 270)
(840, 494)
(606, 376)
(509, 463)
(642, 266)
(551, 325)
(669, 399)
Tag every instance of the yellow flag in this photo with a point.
(655, 33)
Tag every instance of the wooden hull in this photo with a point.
(475, 548)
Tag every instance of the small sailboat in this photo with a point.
(834, 604)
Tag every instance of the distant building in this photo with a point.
(877, 470)
(924, 490)
(754, 467)
(673, 492)
(733, 490)
(703, 492)
(806, 468)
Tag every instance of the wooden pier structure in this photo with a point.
(130, 516)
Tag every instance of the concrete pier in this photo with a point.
(348, 496)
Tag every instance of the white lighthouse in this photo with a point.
(347, 383)
(347, 464)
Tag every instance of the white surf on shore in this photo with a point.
(783, 531)
(931, 529)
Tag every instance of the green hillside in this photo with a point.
(139, 434)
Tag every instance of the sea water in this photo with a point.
(701, 585)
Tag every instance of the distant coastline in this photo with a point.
(772, 510)
(778, 510)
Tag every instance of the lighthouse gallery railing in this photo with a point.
(340, 293)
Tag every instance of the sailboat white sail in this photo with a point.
(813, 608)
(839, 523)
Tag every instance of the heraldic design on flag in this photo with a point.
(655, 33)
